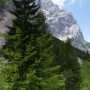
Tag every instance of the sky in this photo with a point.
(80, 11)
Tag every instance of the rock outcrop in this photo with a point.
(6, 20)
(61, 24)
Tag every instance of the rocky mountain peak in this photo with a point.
(63, 25)
(48, 5)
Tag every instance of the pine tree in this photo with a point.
(87, 56)
(69, 66)
(28, 52)
(73, 75)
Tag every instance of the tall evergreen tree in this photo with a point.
(73, 78)
(87, 56)
(69, 65)
(28, 51)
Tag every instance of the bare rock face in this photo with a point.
(61, 23)
(6, 20)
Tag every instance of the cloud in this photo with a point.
(62, 3)
(81, 2)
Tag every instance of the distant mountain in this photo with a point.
(61, 23)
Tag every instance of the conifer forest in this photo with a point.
(32, 59)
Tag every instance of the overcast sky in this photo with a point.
(81, 12)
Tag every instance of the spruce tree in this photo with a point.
(28, 51)
(73, 68)
(87, 55)
(69, 66)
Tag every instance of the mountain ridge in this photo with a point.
(63, 25)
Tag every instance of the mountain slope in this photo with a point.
(63, 25)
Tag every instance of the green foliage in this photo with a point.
(51, 79)
(28, 52)
(68, 61)
(2, 2)
(71, 66)
(87, 56)
(34, 70)
(85, 73)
